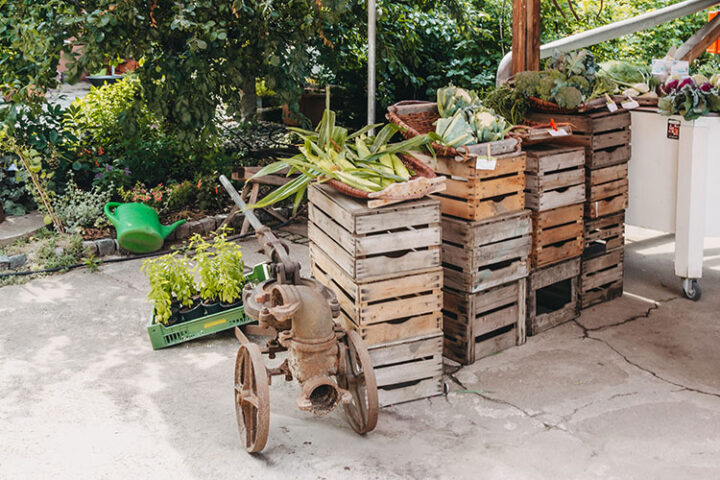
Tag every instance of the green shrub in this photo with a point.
(79, 209)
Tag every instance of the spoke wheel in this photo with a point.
(252, 397)
(359, 380)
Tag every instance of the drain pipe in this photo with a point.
(608, 32)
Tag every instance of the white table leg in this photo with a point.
(690, 218)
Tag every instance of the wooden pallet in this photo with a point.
(476, 194)
(374, 244)
(476, 325)
(604, 234)
(607, 190)
(385, 310)
(605, 135)
(408, 369)
(482, 254)
(555, 177)
(557, 235)
(602, 278)
(552, 296)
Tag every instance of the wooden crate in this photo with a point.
(475, 194)
(408, 369)
(605, 135)
(476, 325)
(555, 177)
(607, 190)
(557, 235)
(384, 310)
(374, 244)
(482, 254)
(602, 278)
(552, 296)
(604, 234)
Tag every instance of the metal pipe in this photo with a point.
(254, 221)
(372, 11)
(608, 32)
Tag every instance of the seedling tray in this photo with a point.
(162, 336)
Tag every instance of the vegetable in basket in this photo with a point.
(464, 120)
(359, 160)
(570, 80)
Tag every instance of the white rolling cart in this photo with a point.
(675, 186)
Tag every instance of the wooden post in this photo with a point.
(526, 35)
(700, 41)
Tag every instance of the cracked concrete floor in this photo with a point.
(629, 391)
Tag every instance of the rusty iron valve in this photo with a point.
(331, 365)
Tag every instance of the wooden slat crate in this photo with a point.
(557, 235)
(374, 244)
(552, 296)
(475, 194)
(602, 278)
(605, 135)
(555, 177)
(408, 369)
(384, 310)
(482, 254)
(607, 190)
(604, 234)
(476, 325)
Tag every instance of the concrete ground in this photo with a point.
(629, 391)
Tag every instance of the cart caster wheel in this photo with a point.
(691, 289)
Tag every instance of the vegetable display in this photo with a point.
(359, 160)
(691, 97)
(465, 120)
(637, 80)
(571, 79)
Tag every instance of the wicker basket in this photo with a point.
(418, 118)
(420, 169)
(544, 106)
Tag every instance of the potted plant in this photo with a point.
(206, 267)
(229, 269)
(172, 289)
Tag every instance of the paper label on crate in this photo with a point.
(560, 132)
(485, 163)
(629, 104)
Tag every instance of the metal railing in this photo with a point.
(611, 31)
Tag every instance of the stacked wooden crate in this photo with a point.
(384, 266)
(555, 192)
(486, 237)
(605, 136)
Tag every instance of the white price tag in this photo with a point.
(660, 66)
(680, 67)
(612, 107)
(630, 103)
(560, 132)
(485, 163)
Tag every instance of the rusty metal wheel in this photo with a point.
(252, 397)
(359, 379)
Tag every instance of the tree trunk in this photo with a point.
(248, 99)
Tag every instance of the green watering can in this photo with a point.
(138, 226)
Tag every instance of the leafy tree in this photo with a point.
(194, 54)
(421, 45)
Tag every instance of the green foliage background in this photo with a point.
(424, 44)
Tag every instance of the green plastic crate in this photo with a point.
(162, 336)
